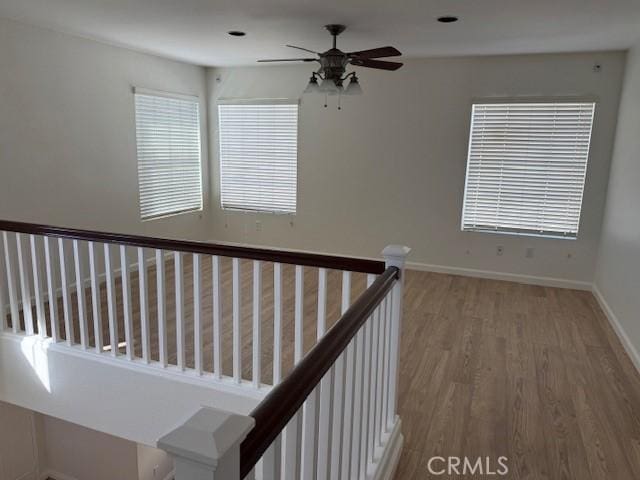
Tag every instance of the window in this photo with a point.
(169, 154)
(526, 168)
(258, 155)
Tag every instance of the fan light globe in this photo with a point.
(312, 86)
(329, 86)
(354, 87)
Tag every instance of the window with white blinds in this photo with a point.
(526, 168)
(169, 153)
(258, 155)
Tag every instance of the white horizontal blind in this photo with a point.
(258, 155)
(526, 167)
(169, 154)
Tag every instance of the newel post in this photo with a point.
(207, 446)
(395, 256)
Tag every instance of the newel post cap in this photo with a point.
(207, 436)
(395, 255)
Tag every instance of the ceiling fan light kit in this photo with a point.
(334, 63)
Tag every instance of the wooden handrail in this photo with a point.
(285, 399)
(351, 264)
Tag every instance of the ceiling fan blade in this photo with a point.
(289, 60)
(301, 48)
(376, 53)
(364, 62)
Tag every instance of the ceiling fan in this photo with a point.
(334, 62)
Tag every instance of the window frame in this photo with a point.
(258, 101)
(524, 101)
(194, 98)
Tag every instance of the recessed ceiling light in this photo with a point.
(447, 19)
(236, 33)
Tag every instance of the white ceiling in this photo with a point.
(195, 30)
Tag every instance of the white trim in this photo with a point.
(634, 355)
(388, 463)
(55, 475)
(508, 277)
(258, 101)
(160, 93)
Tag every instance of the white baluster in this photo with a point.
(257, 311)
(66, 299)
(395, 255)
(80, 295)
(346, 291)
(380, 374)
(271, 461)
(111, 301)
(366, 399)
(162, 309)
(298, 314)
(96, 301)
(51, 289)
(324, 425)
(347, 423)
(349, 364)
(217, 315)
(197, 314)
(366, 390)
(356, 439)
(126, 303)
(145, 327)
(291, 448)
(11, 285)
(277, 323)
(180, 333)
(386, 321)
(37, 286)
(336, 421)
(24, 288)
(4, 325)
(309, 434)
(322, 303)
(237, 322)
(371, 434)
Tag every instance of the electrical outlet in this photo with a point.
(529, 252)
(258, 226)
(499, 250)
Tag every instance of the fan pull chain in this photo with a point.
(339, 101)
(325, 100)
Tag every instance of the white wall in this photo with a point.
(83, 454)
(390, 166)
(618, 273)
(67, 131)
(19, 458)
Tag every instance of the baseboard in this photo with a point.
(388, 464)
(509, 277)
(634, 355)
(53, 475)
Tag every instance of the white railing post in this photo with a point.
(207, 446)
(395, 256)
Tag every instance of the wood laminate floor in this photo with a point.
(488, 368)
(535, 374)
